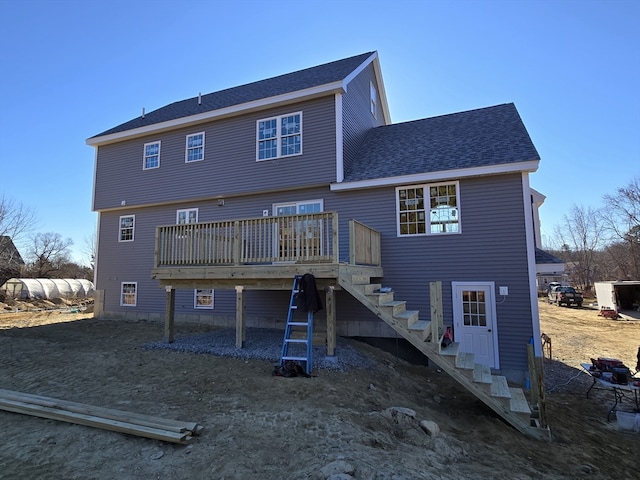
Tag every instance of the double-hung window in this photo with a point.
(431, 209)
(127, 228)
(151, 155)
(128, 294)
(195, 147)
(203, 298)
(279, 136)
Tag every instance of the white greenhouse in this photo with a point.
(48, 288)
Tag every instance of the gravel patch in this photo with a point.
(263, 344)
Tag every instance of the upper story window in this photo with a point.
(280, 136)
(374, 99)
(203, 298)
(128, 294)
(428, 209)
(188, 215)
(195, 147)
(127, 227)
(151, 155)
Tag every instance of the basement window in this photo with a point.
(203, 298)
(128, 294)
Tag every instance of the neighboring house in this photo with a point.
(208, 207)
(549, 268)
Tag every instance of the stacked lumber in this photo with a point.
(117, 420)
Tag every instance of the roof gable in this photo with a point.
(476, 138)
(272, 87)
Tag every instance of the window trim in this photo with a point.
(120, 229)
(195, 299)
(427, 210)
(135, 294)
(187, 148)
(145, 156)
(186, 210)
(278, 136)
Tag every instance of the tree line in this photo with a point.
(41, 255)
(602, 243)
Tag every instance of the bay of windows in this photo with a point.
(280, 136)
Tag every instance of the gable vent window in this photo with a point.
(195, 147)
(428, 209)
(279, 136)
(374, 100)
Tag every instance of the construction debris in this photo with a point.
(106, 418)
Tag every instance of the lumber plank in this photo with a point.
(118, 415)
(93, 421)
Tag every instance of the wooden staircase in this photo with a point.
(426, 335)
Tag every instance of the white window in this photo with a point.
(428, 209)
(195, 147)
(151, 155)
(188, 215)
(374, 99)
(279, 136)
(127, 227)
(203, 298)
(128, 294)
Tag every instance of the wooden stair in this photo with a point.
(426, 335)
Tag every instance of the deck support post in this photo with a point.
(169, 314)
(240, 319)
(331, 321)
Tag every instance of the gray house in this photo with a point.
(209, 206)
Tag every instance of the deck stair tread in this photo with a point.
(518, 402)
(397, 307)
(370, 288)
(465, 361)
(499, 387)
(481, 374)
(451, 350)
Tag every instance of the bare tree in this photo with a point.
(16, 221)
(48, 253)
(621, 215)
(91, 248)
(580, 238)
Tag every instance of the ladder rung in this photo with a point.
(296, 340)
(300, 359)
(298, 324)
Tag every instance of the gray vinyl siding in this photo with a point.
(491, 247)
(356, 114)
(229, 166)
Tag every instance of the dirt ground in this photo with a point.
(335, 425)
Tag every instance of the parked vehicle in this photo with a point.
(564, 295)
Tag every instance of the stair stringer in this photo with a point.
(445, 362)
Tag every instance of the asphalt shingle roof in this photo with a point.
(546, 257)
(282, 84)
(475, 138)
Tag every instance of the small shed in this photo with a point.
(618, 295)
(48, 288)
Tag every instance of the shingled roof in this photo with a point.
(271, 87)
(475, 138)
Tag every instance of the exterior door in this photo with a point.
(297, 238)
(475, 321)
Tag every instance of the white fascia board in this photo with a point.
(538, 198)
(358, 70)
(382, 95)
(530, 166)
(328, 88)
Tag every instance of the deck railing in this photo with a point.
(308, 238)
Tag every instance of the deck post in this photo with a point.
(240, 320)
(169, 325)
(331, 321)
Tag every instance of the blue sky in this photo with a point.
(70, 69)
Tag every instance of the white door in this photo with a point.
(475, 321)
(294, 239)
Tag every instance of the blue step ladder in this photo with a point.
(302, 348)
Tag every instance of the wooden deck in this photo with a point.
(262, 254)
